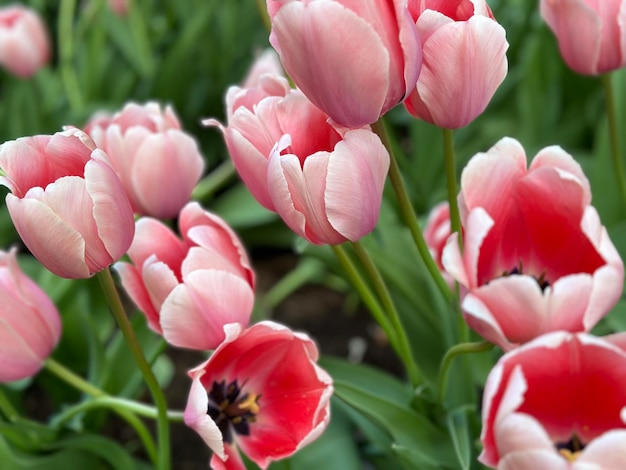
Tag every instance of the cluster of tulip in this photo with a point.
(521, 245)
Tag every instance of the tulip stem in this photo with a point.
(7, 408)
(262, 7)
(454, 351)
(214, 181)
(366, 295)
(383, 293)
(450, 165)
(117, 309)
(408, 213)
(616, 155)
(66, 52)
(126, 412)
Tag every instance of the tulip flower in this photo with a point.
(119, 7)
(436, 233)
(536, 257)
(260, 392)
(557, 403)
(325, 182)
(24, 42)
(353, 60)
(158, 163)
(591, 34)
(464, 61)
(67, 203)
(189, 288)
(30, 326)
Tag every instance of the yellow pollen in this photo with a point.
(569, 455)
(250, 404)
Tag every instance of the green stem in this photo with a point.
(408, 214)
(366, 295)
(7, 408)
(454, 351)
(66, 53)
(450, 165)
(383, 294)
(117, 309)
(81, 384)
(214, 181)
(616, 155)
(262, 7)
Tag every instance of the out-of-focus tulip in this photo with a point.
(536, 257)
(325, 182)
(30, 326)
(24, 41)
(158, 163)
(354, 60)
(591, 34)
(190, 288)
(67, 203)
(464, 53)
(557, 403)
(119, 7)
(436, 232)
(261, 392)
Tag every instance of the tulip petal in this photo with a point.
(133, 284)
(313, 40)
(193, 315)
(357, 169)
(605, 452)
(152, 237)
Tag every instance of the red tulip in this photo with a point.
(557, 403)
(30, 326)
(190, 288)
(536, 257)
(464, 61)
(24, 41)
(67, 203)
(436, 233)
(354, 60)
(260, 392)
(591, 33)
(157, 162)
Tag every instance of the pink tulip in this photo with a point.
(68, 205)
(260, 392)
(536, 257)
(325, 182)
(158, 163)
(24, 41)
(119, 7)
(30, 326)
(591, 33)
(557, 403)
(464, 53)
(354, 60)
(436, 233)
(190, 288)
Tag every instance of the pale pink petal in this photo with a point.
(555, 157)
(357, 170)
(519, 432)
(314, 40)
(133, 284)
(605, 452)
(17, 359)
(534, 460)
(232, 460)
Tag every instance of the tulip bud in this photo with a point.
(30, 326)
(24, 41)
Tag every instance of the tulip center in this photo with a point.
(571, 449)
(231, 409)
(519, 270)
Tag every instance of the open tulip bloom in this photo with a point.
(535, 255)
(558, 403)
(261, 392)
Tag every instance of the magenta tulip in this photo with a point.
(260, 392)
(464, 54)
(30, 326)
(354, 60)
(158, 163)
(24, 42)
(67, 203)
(190, 288)
(557, 403)
(536, 257)
(591, 33)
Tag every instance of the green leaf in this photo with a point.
(106, 449)
(458, 428)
